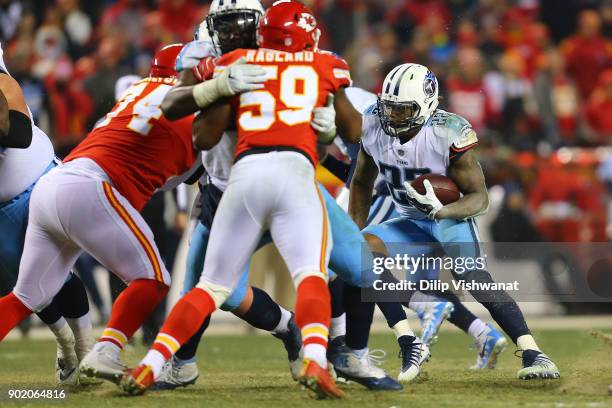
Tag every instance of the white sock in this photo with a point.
(527, 342)
(79, 322)
(58, 325)
(420, 297)
(361, 352)
(418, 307)
(281, 327)
(477, 329)
(317, 353)
(82, 327)
(63, 335)
(402, 328)
(155, 360)
(337, 326)
(108, 345)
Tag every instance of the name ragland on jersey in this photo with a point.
(443, 139)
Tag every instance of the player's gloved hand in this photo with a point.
(324, 121)
(237, 78)
(243, 77)
(427, 203)
(192, 53)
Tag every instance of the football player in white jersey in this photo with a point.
(407, 136)
(26, 154)
(489, 342)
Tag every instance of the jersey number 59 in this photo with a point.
(298, 91)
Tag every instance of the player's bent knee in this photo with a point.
(218, 293)
(234, 300)
(376, 244)
(300, 276)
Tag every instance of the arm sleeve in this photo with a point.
(462, 137)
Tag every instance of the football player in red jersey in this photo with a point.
(92, 203)
(271, 187)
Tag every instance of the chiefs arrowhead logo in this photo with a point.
(307, 22)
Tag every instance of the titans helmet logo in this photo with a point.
(430, 84)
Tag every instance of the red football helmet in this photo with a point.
(164, 61)
(288, 26)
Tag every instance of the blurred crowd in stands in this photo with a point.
(532, 76)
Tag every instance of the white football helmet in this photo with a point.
(233, 24)
(408, 99)
(201, 33)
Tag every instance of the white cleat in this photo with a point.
(413, 355)
(175, 374)
(364, 370)
(490, 345)
(66, 363)
(103, 362)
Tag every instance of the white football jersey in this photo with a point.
(217, 161)
(361, 101)
(444, 137)
(20, 168)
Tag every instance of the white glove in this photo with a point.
(237, 78)
(243, 77)
(427, 203)
(192, 53)
(324, 121)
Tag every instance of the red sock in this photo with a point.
(12, 312)
(132, 308)
(184, 321)
(313, 310)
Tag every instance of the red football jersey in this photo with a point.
(136, 146)
(279, 115)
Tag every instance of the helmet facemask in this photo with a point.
(233, 29)
(399, 118)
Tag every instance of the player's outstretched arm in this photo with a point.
(348, 119)
(362, 185)
(467, 174)
(15, 124)
(209, 125)
(179, 101)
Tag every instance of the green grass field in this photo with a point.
(239, 371)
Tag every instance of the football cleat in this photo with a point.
(66, 362)
(334, 348)
(413, 353)
(176, 374)
(431, 317)
(364, 370)
(66, 371)
(103, 363)
(138, 380)
(292, 339)
(537, 365)
(491, 346)
(318, 380)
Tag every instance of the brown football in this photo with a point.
(446, 190)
